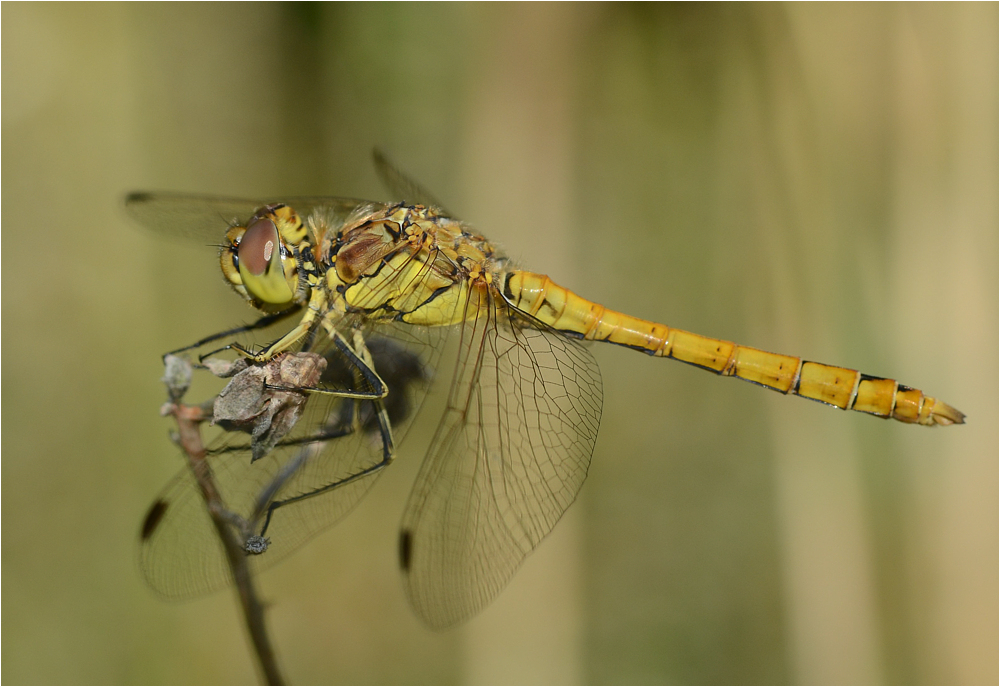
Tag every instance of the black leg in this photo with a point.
(262, 322)
(360, 361)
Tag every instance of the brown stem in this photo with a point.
(189, 419)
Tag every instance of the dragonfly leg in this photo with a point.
(317, 305)
(290, 468)
(361, 363)
(334, 432)
(360, 359)
(260, 323)
(266, 507)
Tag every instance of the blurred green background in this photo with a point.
(819, 180)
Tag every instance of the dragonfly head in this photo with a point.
(260, 259)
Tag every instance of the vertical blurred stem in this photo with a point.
(519, 133)
(189, 419)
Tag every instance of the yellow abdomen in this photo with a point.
(538, 296)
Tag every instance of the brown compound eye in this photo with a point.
(258, 245)
(262, 262)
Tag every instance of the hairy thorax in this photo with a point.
(411, 263)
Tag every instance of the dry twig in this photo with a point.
(189, 419)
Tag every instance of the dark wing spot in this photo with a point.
(153, 517)
(405, 549)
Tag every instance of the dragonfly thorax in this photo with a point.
(409, 263)
(361, 248)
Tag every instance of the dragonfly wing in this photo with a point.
(205, 218)
(508, 458)
(180, 554)
(400, 185)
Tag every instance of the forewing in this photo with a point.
(180, 554)
(508, 458)
(206, 218)
(400, 185)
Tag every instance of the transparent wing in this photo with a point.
(400, 185)
(180, 554)
(206, 218)
(508, 458)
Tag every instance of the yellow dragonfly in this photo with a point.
(358, 301)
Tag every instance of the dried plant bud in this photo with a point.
(223, 368)
(266, 400)
(176, 376)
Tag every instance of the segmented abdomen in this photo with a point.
(561, 309)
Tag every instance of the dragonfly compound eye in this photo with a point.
(260, 258)
(259, 244)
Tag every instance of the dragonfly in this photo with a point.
(375, 301)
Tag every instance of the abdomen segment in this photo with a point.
(538, 296)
